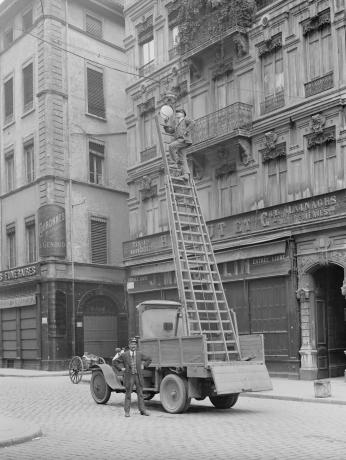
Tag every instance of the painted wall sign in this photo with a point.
(52, 231)
(293, 213)
(14, 302)
(21, 272)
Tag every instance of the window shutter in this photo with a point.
(94, 26)
(28, 82)
(96, 102)
(99, 248)
(8, 100)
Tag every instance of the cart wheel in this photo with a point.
(100, 391)
(75, 369)
(224, 401)
(173, 394)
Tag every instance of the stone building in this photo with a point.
(266, 88)
(63, 188)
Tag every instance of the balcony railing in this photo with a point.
(273, 102)
(318, 85)
(223, 122)
(263, 3)
(146, 69)
(148, 153)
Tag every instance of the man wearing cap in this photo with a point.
(182, 139)
(131, 362)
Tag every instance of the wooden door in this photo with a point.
(321, 338)
(100, 335)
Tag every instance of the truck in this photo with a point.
(195, 346)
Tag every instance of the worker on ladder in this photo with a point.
(181, 131)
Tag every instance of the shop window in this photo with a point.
(96, 162)
(8, 101)
(93, 26)
(96, 100)
(11, 246)
(28, 87)
(29, 159)
(99, 240)
(60, 313)
(30, 239)
(9, 170)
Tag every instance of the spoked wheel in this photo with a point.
(174, 394)
(75, 369)
(99, 388)
(224, 401)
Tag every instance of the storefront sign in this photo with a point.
(14, 302)
(147, 245)
(21, 272)
(52, 231)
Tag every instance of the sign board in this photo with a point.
(52, 231)
(20, 272)
(13, 302)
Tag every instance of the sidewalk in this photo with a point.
(16, 431)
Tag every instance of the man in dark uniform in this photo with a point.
(131, 362)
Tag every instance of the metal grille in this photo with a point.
(94, 26)
(318, 85)
(28, 90)
(98, 238)
(273, 102)
(96, 102)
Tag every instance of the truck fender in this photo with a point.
(110, 376)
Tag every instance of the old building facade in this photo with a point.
(63, 163)
(266, 90)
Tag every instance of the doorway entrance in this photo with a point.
(330, 314)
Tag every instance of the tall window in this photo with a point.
(29, 158)
(9, 170)
(96, 101)
(11, 245)
(149, 133)
(151, 215)
(227, 195)
(224, 91)
(99, 240)
(96, 162)
(148, 52)
(272, 73)
(277, 181)
(8, 96)
(93, 26)
(30, 240)
(174, 36)
(324, 167)
(319, 53)
(28, 87)
(27, 20)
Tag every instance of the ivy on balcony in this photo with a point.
(211, 18)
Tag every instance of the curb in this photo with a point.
(33, 376)
(21, 439)
(295, 398)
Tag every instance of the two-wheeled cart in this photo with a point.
(80, 365)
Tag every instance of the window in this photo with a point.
(8, 37)
(227, 195)
(96, 102)
(319, 53)
(93, 26)
(324, 168)
(11, 245)
(28, 87)
(29, 159)
(224, 91)
(99, 240)
(277, 179)
(30, 240)
(96, 161)
(148, 52)
(8, 95)
(27, 20)
(174, 36)
(9, 170)
(151, 215)
(149, 131)
(272, 73)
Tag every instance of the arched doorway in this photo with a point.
(330, 316)
(100, 324)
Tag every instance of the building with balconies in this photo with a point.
(264, 82)
(63, 187)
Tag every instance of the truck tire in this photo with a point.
(224, 401)
(99, 388)
(174, 394)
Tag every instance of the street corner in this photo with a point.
(14, 431)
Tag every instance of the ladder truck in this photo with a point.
(194, 344)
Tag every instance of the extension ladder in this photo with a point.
(199, 283)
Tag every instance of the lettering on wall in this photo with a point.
(21, 272)
(52, 231)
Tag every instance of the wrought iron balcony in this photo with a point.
(273, 102)
(146, 69)
(320, 84)
(221, 125)
(263, 3)
(148, 153)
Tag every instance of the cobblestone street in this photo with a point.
(74, 426)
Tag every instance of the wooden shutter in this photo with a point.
(8, 100)
(98, 238)
(96, 102)
(93, 26)
(28, 86)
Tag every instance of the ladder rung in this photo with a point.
(183, 195)
(221, 341)
(194, 233)
(195, 224)
(208, 311)
(223, 352)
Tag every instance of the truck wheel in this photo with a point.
(173, 394)
(224, 401)
(100, 391)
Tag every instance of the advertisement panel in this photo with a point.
(52, 231)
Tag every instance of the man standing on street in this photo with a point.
(131, 362)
